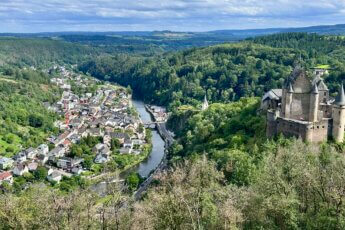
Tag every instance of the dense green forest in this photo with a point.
(41, 52)
(24, 121)
(224, 72)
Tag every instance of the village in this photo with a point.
(106, 114)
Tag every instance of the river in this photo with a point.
(145, 167)
(156, 156)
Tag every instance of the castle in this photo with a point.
(304, 109)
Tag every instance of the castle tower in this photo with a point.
(323, 92)
(205, 104)
(339, 116)
(314, 104)
(287, 100)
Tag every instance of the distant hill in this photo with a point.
(326, 30)
(149, 42)
(322, 29)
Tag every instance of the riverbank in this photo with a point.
(152, 161)
(168, 140)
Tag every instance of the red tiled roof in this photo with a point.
(5, 175)
(66, 142)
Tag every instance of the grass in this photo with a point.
(323, 67)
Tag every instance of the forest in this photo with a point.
(24, 120)
(223, 72)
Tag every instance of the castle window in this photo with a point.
(318, 127)
(325, 93)
(323, 127)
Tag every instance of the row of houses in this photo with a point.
(104, 113)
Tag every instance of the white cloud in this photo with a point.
(166, 14)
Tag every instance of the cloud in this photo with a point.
(192, 15)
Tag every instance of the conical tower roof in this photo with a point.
(205, 104)
(290, 89)
(340, 99)
(322, 85)
(315, 89)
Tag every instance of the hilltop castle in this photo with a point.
(304, 109)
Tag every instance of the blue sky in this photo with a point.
(177, 15)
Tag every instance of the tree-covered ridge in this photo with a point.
(224, 72)
(314, 44)
(230, 134)
(24, 121)
(39, 52)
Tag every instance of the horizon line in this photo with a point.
(167, 30)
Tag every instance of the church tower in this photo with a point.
(205, 104)
(314, 104)
(339, 116)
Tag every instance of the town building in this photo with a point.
(6, 163)
(6, 177)
(304, 109)
(55, 177)
(20, 169)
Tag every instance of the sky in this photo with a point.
(23, 16)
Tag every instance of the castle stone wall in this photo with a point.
(321, 130)
(291, 128)
(300, 106)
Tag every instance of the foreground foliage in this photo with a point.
(298, 186)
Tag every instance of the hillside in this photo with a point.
(224, 72)
(24, 121)
(40, 52)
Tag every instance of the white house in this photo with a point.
(50, 171)
(20, 169)
(43, 149)
(124, 150)
(5, 163)
(31, 153)
(101, 159)
(57, 152)
(55, 177)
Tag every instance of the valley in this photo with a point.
(168, 134)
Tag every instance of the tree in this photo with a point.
(41, 173)
(115, 144)
(189, 197)
(88, 162)
(76, 151)
(133, 181)
(35, 121)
